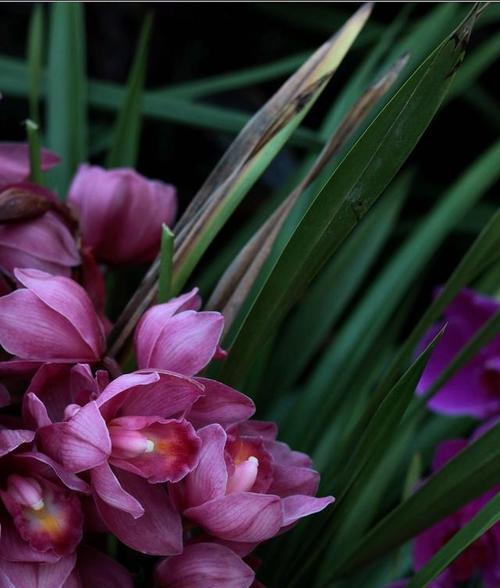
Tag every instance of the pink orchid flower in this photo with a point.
(202, 565)
(247, 487)
(121, 213)
(51, 319)
(42, 517)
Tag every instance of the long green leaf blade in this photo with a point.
(353, 188)
(126, 134)
(66, 92)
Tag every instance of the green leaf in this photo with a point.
(34, 152)
(160, 106)
(66, 92)
(35, 61)
(488, 516)
(166, 256)
(354, 187)
(240, 167)
(471, 473)
(345, 355)
(382, 433)
(258, 144)
(126, 134)
(330, 294)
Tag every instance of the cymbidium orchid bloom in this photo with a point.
(202, 565)
(121, 213)
(247, 487)
(131, 436)
(40, 514)
(475, 389)
(51, 319)
(33, 233)
(15, 162)
(175, 336)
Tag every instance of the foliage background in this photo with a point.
(195, 41)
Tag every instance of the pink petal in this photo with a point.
(209, 479)
(262, 429)
(289, 480)
(14, 548)
(15, 163)
(85, 441)
(31, 330)
(242, 516)
(34, 411)
(283, 455)
(58, 385)
(204, 565)
(148, 394)
(186, 342)
(70, 300)
(34, 462)
(108, 488)
(158, 531)
(36, 575)
(221, 404)
(296, 507)
(10, 439)
(151, 324)
(43, 243)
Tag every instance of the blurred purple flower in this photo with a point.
(475, 389)
(121, 213)
(482, 558)
(247, 487)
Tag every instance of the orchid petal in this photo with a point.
(158, 531)
(243, 516)
(202, 565)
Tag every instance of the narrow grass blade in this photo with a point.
(126, 134)
(35, 61)
(66, 92)
(166, 255)
(34, 146)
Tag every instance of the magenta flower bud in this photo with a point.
(121, 213)
(174, 336)
(50, 319)
(15, 162)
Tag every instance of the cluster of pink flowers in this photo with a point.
(474, 391)
(168, 462)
